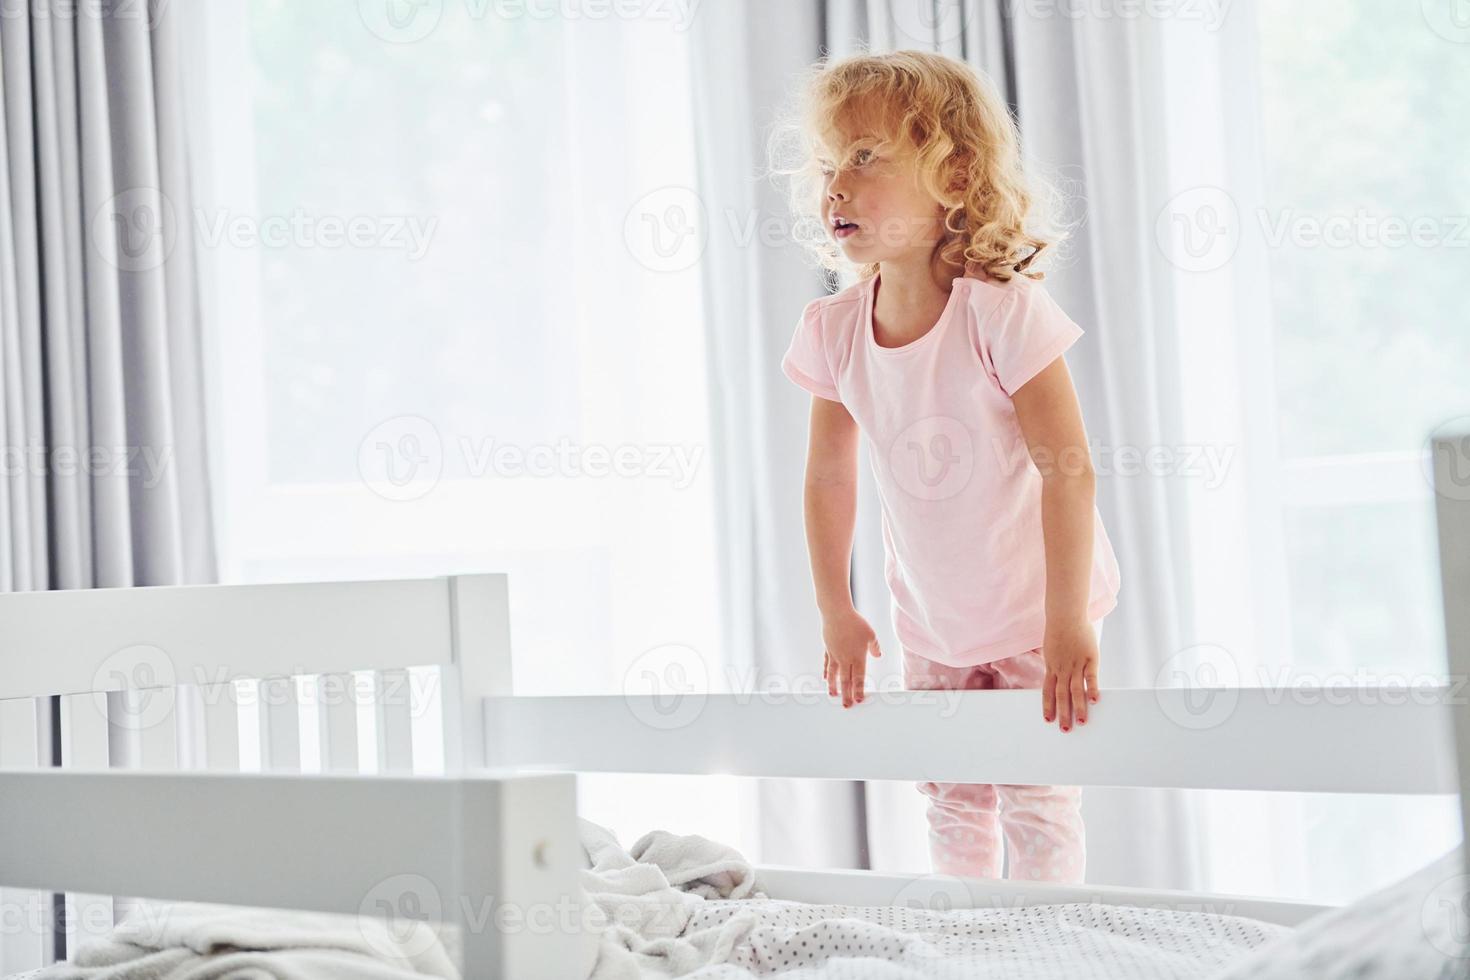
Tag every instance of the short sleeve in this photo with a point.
(1024, 333)
(805, 361)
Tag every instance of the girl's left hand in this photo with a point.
(1070, 653)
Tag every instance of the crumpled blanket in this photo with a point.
(201, 941)
(647, 896)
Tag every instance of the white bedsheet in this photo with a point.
(1075, 941)
(694, 929)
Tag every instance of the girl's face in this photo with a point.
(875, 210)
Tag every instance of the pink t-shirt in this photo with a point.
(960, 494)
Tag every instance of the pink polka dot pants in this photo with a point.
(1041, 825)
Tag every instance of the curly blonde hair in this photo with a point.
(949, 120)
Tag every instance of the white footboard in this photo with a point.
(496, 857)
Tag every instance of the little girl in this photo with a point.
(946, 354)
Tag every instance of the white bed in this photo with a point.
(501, 832)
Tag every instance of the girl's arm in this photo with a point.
(831, 510)
(1051, 421)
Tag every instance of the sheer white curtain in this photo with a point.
(1242, 475)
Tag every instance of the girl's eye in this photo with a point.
(864, 157)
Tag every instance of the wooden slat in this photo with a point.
(1380, 741)
(393, 705)
(336, 696)
(66, 642)
(280, 725)
(155, 713)
(84, 746)
(24, 940)
(221, 726)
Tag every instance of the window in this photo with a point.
(1323, 343)
(434, 348)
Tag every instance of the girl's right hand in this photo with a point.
(849, 639)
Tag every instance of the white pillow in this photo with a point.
(1416, 929)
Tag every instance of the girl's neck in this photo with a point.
(913, 283)
(910, 298)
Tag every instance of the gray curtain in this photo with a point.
(101, 398)
(99, 315)
(101, 394)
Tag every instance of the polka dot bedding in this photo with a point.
(1075, 941)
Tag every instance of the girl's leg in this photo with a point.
(1045, 837)
(964, 832)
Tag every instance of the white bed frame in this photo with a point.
(498, 837)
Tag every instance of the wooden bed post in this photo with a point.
(1450, 456)
(522, 912)
(479, 614)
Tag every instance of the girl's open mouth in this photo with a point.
(844, 228)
